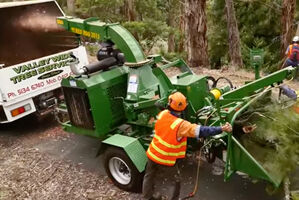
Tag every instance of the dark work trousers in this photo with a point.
(289, 62)
(152, 170)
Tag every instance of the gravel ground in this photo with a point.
(26, 173)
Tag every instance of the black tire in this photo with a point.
(126, 176)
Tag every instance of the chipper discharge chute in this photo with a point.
(29, 31)
(117, 99)
(34, 57)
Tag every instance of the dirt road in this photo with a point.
(30, 172)
(40, 161)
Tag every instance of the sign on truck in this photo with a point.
(34, 58)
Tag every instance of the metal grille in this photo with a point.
(78, 107)
(116, 105)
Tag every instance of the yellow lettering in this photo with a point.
(79, 31)
(59, 21)
(95, 35)
(76, 30)
(86, 33)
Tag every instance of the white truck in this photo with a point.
(34, 57)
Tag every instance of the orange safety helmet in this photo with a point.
(177, 101)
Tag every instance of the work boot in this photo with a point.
(156, 196)
(176, 191)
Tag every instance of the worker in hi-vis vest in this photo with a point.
(292, 53)
(170, 143)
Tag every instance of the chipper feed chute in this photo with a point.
(238, 157)
(29, 31)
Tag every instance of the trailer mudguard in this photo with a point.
(132, 147)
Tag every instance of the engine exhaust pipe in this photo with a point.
(100, 65)
(73, 65)
(93, 67)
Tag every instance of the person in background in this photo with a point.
(292, 53)
(169, 144)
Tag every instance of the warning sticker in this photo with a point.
(133, 84)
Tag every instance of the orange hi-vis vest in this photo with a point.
(165, 148)
(293, 52)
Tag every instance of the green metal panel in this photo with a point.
(146, 82)
(68, 127)
(241, 160)
(256, 57)
(132, 147)
(98, 30)
(250, 88)
(238, 158)
(256, 60)
(106, 92)
(165, 86)
(194, 87)
(126, 43)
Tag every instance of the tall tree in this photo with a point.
(130, 13)
(195, 33)
(233, 35)
(173, 10)
(71, 6)
(287, 17)
(181, 45)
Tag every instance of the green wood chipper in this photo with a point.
(117, 98)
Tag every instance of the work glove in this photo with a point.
(227, 127)
(249, 128)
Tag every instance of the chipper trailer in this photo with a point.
(34, 57)
(117, 98)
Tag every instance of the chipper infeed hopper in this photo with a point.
(117, 99)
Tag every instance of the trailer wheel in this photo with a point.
(121, 170)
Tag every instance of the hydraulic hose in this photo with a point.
(190, 195)
(229, 81)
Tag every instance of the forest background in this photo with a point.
(206, 33)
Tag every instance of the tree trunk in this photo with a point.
(297, 29)
(130, 14)
(71, 6)
(288, 12)
(171, 39)
(130, 10)
(195, 33)
(171, 42)
(233, 35)
(171, 22)
(181, 47)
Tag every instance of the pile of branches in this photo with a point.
(274, 141)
